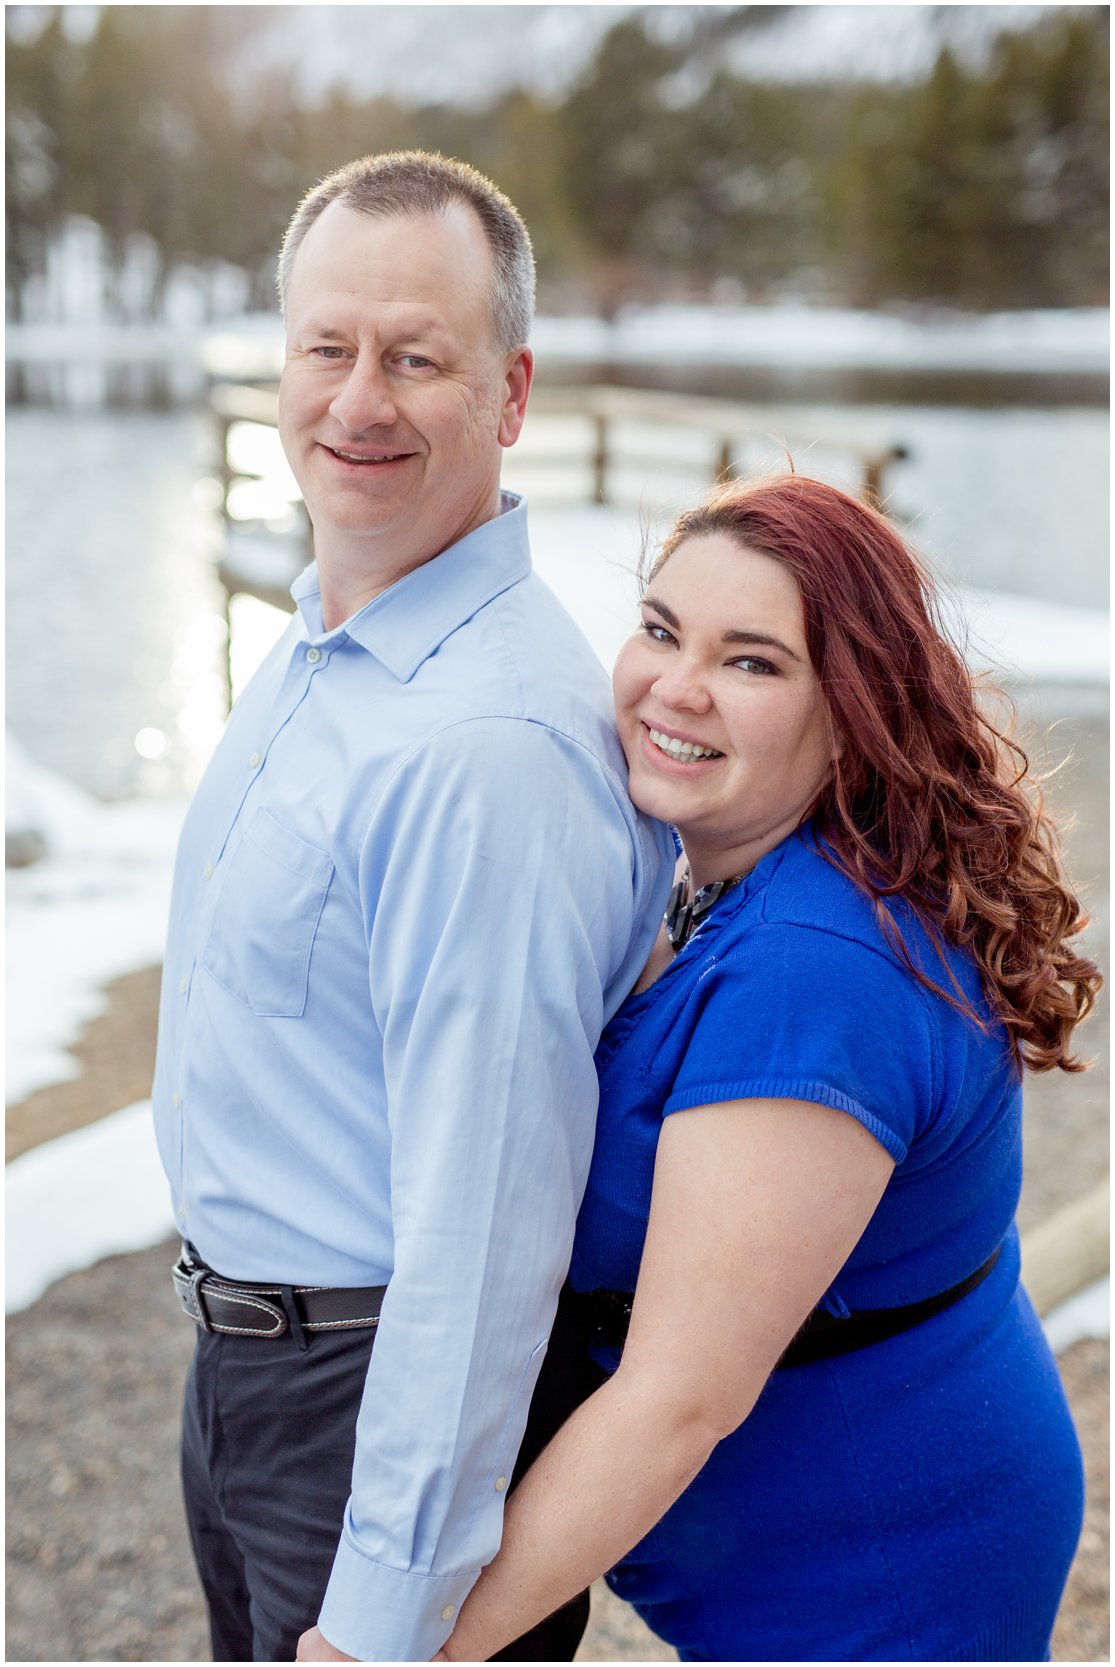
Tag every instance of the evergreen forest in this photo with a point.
(657, 173)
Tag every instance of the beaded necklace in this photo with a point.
(684, 913)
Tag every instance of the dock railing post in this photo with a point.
(874, 469)
(600, 458)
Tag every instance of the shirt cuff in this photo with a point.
(380, 1614)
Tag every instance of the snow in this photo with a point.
(97, 1192)
(94, 910)
(797, 334)
(589, 557)
(1087, 1314)
(784, 334)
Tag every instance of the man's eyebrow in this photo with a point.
(763, 637)
(420, 330)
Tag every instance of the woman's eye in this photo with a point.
(751, 663)
(657, 633)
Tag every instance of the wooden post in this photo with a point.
(1068, 1250)
(725, 467)
(873, 482)
(600, 459)
(874, 469)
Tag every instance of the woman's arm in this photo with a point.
(756, 1206)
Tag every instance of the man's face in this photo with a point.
(395, 400)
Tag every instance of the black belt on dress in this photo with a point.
(823, 1335)
(241, 1308)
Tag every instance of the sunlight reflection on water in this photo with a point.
(116, 618)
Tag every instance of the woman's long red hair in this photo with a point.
(928, 800)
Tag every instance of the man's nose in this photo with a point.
(365, 401)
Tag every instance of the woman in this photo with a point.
(810, 1113)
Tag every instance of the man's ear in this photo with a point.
(518, 376)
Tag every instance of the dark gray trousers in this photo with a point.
(268, 1434)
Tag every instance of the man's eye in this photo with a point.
(328, 352)
(414, 361)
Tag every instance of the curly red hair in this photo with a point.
(927, 800)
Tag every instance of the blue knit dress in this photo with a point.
(921, 1498)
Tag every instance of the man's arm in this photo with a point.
(497, 882)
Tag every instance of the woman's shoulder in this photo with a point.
(811, 897)
(807, 888)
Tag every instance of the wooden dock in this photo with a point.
(734, 430)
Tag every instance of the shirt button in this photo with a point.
(313, 655)
(254, 760)
(501, 1483)
(208, 871)
(177, 1102)
(183, 985)
(448, 1612)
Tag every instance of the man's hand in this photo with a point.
(313, 1647)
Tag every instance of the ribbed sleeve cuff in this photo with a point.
(790, 1088)
(379, 1614)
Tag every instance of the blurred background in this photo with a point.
(872, 238)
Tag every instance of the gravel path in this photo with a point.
(99, 1567)
(98, 1562)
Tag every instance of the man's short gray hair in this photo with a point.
(424, 182)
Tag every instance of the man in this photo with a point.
(409, 892)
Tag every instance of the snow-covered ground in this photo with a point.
(786, 335)
(802, 335)
(96, 906)
(94, 909)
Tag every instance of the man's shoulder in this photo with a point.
(523, 656)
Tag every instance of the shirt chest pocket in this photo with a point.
(266, 917)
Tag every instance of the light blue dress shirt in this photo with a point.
(410, 891)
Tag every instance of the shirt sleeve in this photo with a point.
(501, 889)
(803, 1013)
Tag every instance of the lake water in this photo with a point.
(116, 620)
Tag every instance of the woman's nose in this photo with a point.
(365, 401)
(683, 687)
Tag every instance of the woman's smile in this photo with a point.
(676, 749)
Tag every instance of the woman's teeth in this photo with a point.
(680, 749)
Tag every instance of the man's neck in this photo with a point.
(352, 573)
(345, 590)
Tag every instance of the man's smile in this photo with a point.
(363, 460)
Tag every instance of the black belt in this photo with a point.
(823, 1335)
(241, 1308)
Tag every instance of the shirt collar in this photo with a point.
(405, 624)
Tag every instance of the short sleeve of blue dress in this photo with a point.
(804, 1013)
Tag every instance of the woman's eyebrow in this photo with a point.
(660, 608)
(763, 637)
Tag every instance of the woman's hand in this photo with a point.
(313, 1647)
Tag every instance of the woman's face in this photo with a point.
(720, 669)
